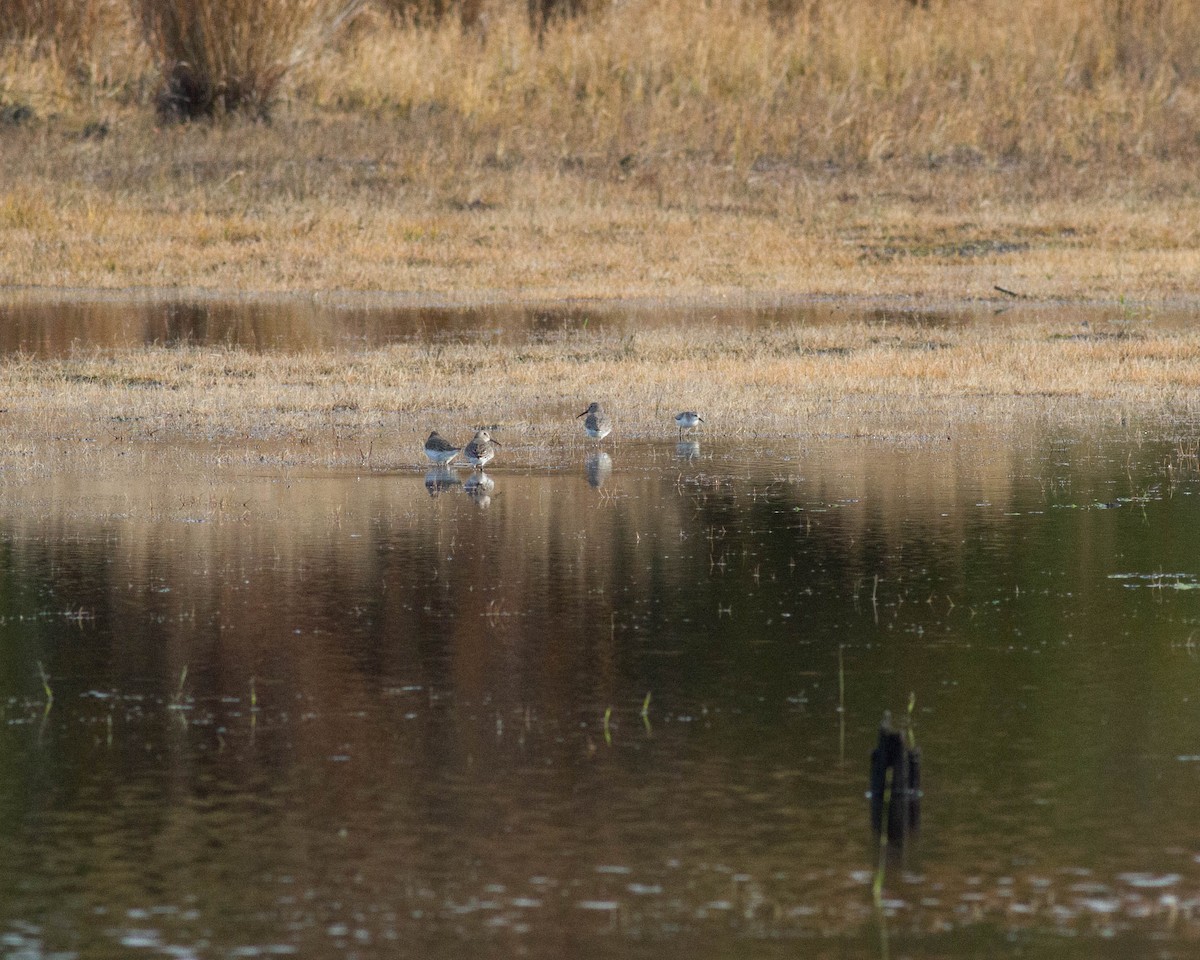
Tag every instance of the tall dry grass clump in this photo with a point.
(431, 12)
(541, 14)
(46, 24)
(231, 55)
(78, 34)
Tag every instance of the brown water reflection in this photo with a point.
(44, 325)
(391, 738)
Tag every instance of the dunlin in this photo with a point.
(597, 424)
(687, 420)
(480, 451)
(439, 449)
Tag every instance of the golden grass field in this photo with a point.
(651, 148)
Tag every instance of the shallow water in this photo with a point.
(43, 325)
(617, 705)
(391, 731)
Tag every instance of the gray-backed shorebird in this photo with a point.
(597, 425)
(439, 449)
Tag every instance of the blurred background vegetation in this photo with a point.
(953, 81)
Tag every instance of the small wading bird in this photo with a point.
(597, 425)
(439, 449)
(687, 420)
(480, 451)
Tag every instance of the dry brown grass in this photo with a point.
(431, 12)
(842, 82)
(901, 384)
(229, 55)
(656, 148)
(67, 30)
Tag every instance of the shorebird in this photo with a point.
(597, 425)
(480, 451)
(439, 449)
(687, 420)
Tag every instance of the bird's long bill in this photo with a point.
(497, 443)
(578, 415)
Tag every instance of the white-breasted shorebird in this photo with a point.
(480, 451)
(597, 425)
(686, 421)
(439, 449)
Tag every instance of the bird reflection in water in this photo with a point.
(599, 468)
(479, 487)
(687, 449)
(440, 480)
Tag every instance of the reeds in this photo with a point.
(841, 81)
(231, 55)
(74, 33)
(50, 24)
(427, 13)
(777, 81)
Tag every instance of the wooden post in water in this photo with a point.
(895, 782)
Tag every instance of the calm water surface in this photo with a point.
(34, 324)
(620, 706)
